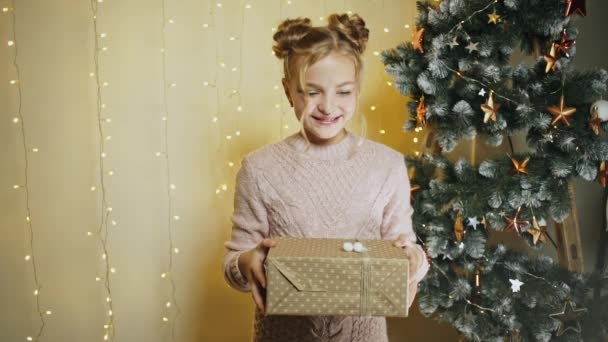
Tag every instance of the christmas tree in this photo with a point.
(458, 70)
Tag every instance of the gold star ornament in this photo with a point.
(493, 18)
(490, 108)
(538, 232)
(551, 59)
(595, 122)
(561, 113)
(459, 228)
(417, 39)
(569, 318)
(520, 167)
(421, 113)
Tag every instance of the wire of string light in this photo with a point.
(102, 233)
(18, 119)
(169, 186)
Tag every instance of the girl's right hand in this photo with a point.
(251, 265)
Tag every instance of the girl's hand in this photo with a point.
(251, 265)
(415, 263)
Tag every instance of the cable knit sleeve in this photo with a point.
(397, 219)
(249, 224)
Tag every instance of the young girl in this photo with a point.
(322, 182)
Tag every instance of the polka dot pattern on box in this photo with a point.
(317, 277)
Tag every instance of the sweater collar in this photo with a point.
(342, 150)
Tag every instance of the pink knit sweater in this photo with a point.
(345, 190)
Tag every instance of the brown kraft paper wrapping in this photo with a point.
(313, 276)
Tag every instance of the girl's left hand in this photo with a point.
(415, 263)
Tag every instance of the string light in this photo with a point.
(102, 232)
(167, 162)
(26, 186)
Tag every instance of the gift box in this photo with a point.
(312, 276)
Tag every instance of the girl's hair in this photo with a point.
(300, 45)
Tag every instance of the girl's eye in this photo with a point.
(344, 92)
(312, 94)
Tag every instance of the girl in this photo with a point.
(322, 182)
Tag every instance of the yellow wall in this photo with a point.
(55, 43)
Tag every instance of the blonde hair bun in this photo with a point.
(351, 27)
(288, 33)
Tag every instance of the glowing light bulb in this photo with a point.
(49, 312)
(386, 29)
(103, 35)
(231, 164)
(205, 25)
(224, 187)
(389, 83)
(415, 140)
(165, 319)
(111, 173)
(13, 81)
(105, 84)
(407, 26)
(11, 43)
(229, 137)
(163, 275)
(168, 304)
(176, 217)
(237, 133)
(103, 155)
(15, 120)
(376, 53)
(382, 131)
(4, 9)
(16, 186)
(113, 270)
(248, 6)
(89, 233)
(36, 292)
(114, 223)
(239, 108)
(372, 108)
(34, 149)
(232, 38)
(176, 250)
(219, 4)
(172, 186)
(27, 258)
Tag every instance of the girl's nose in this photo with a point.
(326, 106)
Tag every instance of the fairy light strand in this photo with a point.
(218, 108)
(104, 213)
(462, 22)
(19, 120)
(169, 186)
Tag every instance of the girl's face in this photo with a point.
(332, 98)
